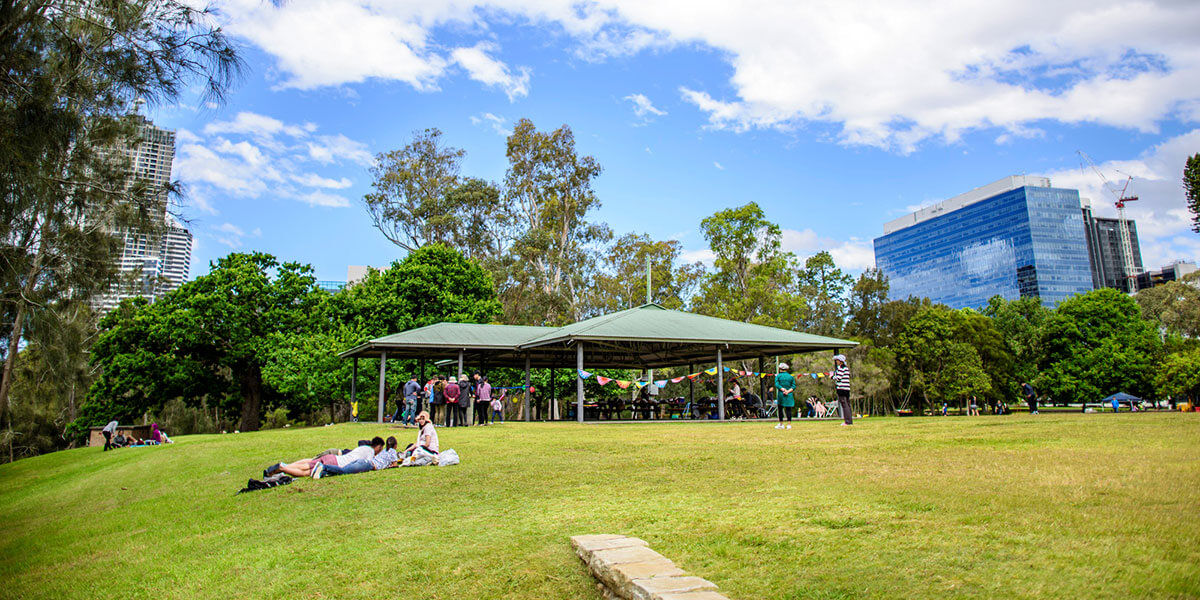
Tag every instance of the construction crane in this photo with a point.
(1126, 243)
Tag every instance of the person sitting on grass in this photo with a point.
(306, 467)
(427, 437)
(360, 465)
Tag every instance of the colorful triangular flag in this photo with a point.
(602, 380)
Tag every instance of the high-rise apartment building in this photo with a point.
(1106, 251)
(150, 264)
(1016, 237)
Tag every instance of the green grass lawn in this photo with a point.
(1048, 506)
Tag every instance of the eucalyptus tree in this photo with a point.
(555, 251)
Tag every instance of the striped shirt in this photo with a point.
(383, 459)
(841, 376)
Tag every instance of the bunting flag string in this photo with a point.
(623, 384)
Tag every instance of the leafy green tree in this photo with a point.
(73, 71)
(622, 283)
(754, 279)
(480, 221)
(1174, 306)
(554, 257)
(432, 284)
(213, 334)
(937, 360)
(1191, 188)
(894, 316)
(1096, 344)
(1179, 375)
(1020, 325)
(864, 305)
(411, 184)
(824, 285)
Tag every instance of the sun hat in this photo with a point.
(841, 357)
(783, 366)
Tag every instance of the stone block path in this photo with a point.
(629, 570)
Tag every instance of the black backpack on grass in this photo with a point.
(275, 480)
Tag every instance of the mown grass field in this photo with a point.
(1047, 506)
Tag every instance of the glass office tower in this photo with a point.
(1007, 238)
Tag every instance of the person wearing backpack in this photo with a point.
(451, 391)
(466, 397)
(437, 401)
(483, 400)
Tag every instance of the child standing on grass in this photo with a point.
(498, 407)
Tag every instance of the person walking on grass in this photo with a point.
(412, 391)
(1030, 397)
(841, 380)
(108, 432)
(785, 384)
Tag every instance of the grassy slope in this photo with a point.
(1084, 506)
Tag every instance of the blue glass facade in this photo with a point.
(1025, 242)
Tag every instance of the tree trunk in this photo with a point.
(251, 398)
(10, 359)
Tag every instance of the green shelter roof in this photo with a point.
(648, 336)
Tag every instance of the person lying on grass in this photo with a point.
(427, 437)
(305, 467)
(382, 460)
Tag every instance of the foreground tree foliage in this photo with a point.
(73, 70)
(1096, 344)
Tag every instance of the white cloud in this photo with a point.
(718, 165)
(320, 198)
(314, 180)
(231, 229)
(849, 255)
(1160, 212)
(483, 68)
(255, 125)
(643, 107)
(277, 161)
(703, 255)
(327, 149)
(876, 72)
(497, 123)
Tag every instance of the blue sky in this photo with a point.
(835, 119)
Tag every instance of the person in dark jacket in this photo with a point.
(1030, 397)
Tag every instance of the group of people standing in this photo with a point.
(785, 386)
(450, 400)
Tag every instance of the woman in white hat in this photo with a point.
(785, 384)
(841, 380)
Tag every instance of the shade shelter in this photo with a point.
(645, 337)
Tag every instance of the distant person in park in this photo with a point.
(108, 432)
(974, 409)
(412, 395)
(451, 391)
(466, 399)
(498, 407)
(427, 437)
(483, 399)
(786, 384)
(945, 408)
(1030, 397)
(841, 380)
(438, 400)
(1116, 405)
